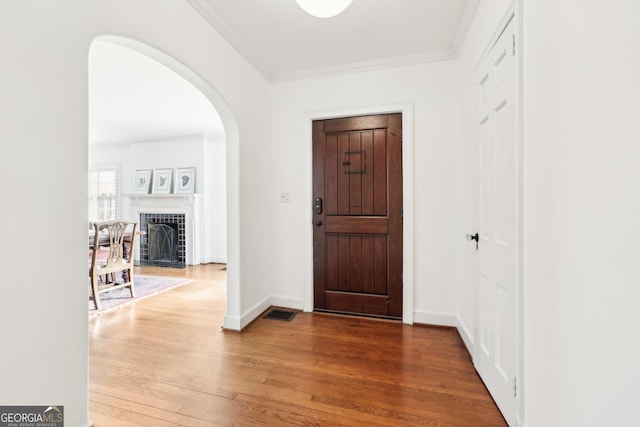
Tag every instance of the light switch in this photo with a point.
(284, 197)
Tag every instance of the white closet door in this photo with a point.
(495, 347)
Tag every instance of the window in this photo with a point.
(103, 195)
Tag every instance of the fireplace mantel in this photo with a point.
(164, 198)
(187, 204)
(165, 203)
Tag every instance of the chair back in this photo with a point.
(118, 237)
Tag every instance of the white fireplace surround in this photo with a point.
(187, 204)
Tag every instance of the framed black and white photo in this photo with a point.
(185, 180)
(162, 179)
(142, 181)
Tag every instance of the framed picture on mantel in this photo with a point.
(185, 180)
(162, 181)
(142, 183)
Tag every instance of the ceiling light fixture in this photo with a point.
(324, 8)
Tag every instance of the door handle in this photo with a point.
(318, 223)
(472, 237)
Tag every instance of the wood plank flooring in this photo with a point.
(165, 361)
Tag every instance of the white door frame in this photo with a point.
(514, 13)
(407, 189)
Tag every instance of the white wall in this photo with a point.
(215, 210)
(432, 90)
(581, 69)
(151, 155)
(43, 105)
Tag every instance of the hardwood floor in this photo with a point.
(164, 361)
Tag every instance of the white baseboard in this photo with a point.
(427, 317)
(255, 311)
(287, 302)
(232, 323)
(420, 316)
(214, 260)
(467, 338)
(237, 323)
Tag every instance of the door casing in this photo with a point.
(407, 187)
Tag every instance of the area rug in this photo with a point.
(145, 286)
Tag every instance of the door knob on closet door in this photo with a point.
(472, 237)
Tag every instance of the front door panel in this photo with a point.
(358, 232)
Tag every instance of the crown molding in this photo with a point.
(356, 67)
(210, 15)
(465, 24)
(98, 144)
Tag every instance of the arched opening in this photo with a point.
(210, 142)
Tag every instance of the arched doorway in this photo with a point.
(231, 150)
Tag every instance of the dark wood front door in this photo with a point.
(357, 215)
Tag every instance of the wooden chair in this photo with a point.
(116, 240)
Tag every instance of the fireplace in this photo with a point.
(163, 241)
(179, 213)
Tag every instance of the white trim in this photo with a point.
(355, 67)
(166, 138)
(232, 323)
(407, 188)
(213, 260)
(287, 302)
(502, 25)
(427, 317)
(465, 23)
(253, 313)
(210, 15)
(467, 337)
(238, 323)
(518, 9)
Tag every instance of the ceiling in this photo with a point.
(283, 42)
(133, 98)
